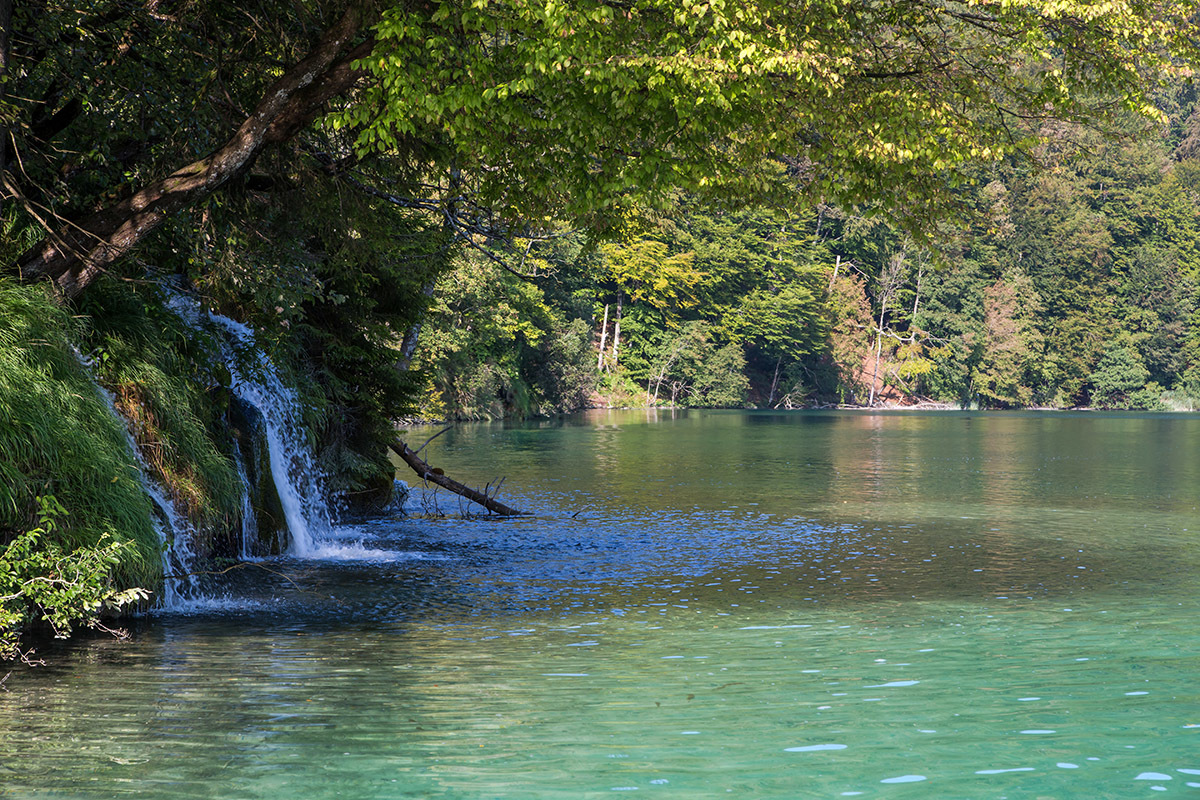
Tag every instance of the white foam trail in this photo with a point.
(210, 605)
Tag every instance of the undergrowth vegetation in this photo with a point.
(168, 382)
(44, 585)
(60, 559)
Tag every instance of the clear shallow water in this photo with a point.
(710, 605)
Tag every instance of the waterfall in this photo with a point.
(249, 518)
(180, 588)
(299, 482)
(298, 479)
(175, 532)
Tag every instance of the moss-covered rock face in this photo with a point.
(270, 536)
(78, 387)
(165, 378)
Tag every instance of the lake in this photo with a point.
(702, 605)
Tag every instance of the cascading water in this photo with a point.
(180, 588)
(298, 480)
(249, 518)
(174, 530)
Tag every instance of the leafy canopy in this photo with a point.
(574, 106)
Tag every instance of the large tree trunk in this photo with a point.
(76, 252)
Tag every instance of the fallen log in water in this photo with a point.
(435, 475)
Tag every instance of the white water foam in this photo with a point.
(298, 478)
(357, 551)
(211, 605)
(249, 518)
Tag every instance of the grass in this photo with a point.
(58, 438)
(169, 382)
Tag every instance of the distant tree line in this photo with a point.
(1071, 280)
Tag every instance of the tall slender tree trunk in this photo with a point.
(408, 347)
(603, 340)
(662, 374)
(774, 383)
(76, 252)
(878, 352)
(617, 332)
(917, 295)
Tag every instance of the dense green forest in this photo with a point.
(1072, 282)
(469, 209)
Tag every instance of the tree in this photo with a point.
(526, 110)
(1010, 370)
(696, 372)
(1117, 378)
(643, 269)
(762, 285)
(495, 345)
(76, 251)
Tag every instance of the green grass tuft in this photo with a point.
(58, 437)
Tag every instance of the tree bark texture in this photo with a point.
(617, 333)
(76, 252)
(408, 347)
(436, 476)
(603, 341)
(6, 8)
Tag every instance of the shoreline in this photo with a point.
(410, 422)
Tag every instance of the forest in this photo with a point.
(481, 209)
(1067, 283)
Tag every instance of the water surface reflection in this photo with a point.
(757, 605)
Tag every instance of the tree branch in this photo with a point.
(434, 475)
(73, 254)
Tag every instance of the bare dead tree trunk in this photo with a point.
(75, 252)
(878, 353)
(775, 382)
(437, 476)
(662, 374)
(917, 293)
(890, 280)
(617, 333)
(603, 340)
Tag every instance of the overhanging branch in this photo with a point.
(437, 476)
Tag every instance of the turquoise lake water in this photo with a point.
(702, 605)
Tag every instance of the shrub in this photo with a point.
(43, 584)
